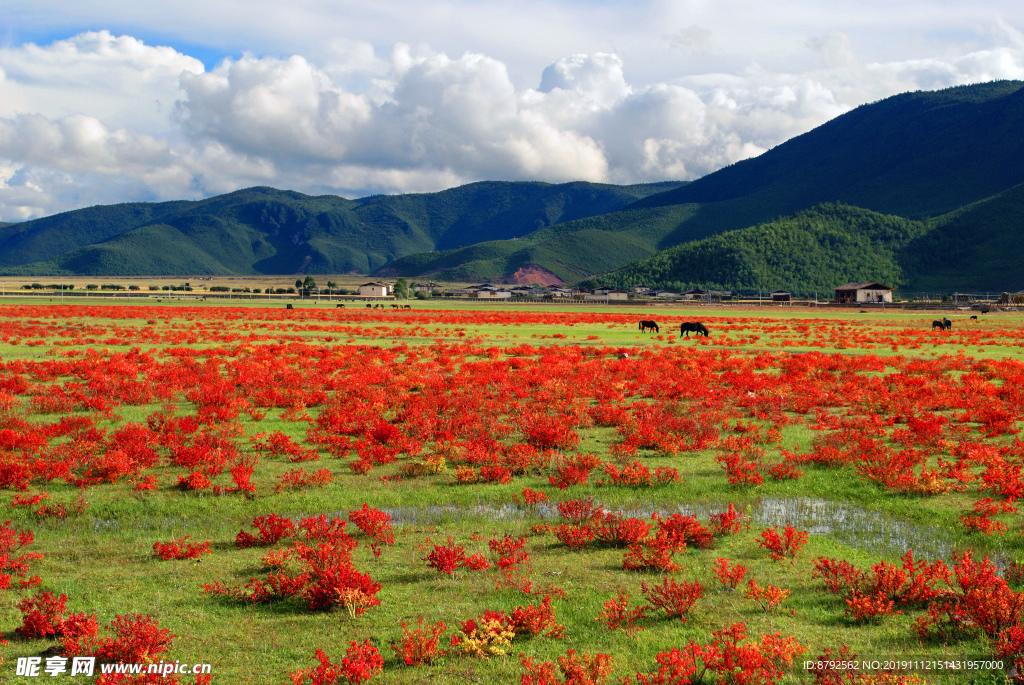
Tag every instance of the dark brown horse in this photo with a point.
(697, 327)
(648, 325)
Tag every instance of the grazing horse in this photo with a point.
(975, 317)
(938, 324)
(647, 325)
(693, 327)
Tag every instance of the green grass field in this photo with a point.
(103, 560)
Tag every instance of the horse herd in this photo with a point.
(686, 327)
(697, 327)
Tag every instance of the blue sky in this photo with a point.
(113, 101)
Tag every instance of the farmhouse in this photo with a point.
(863, 293)
(490, 292)
(376, 289)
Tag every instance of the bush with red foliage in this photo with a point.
(44, 615)
(579, 510)
(654, 553)
(180, 549)
(740, 469)
(451, 557)
(12, 564)
(575, 538)
(617, 614)
(137, 639)
(726, 523)
(877, 592)
(727, 658)
(677, 599)
(536, 620)
(361, 662)
(729, 577)
(769, 596)
(682, 530)
(374, 523)
(421, 645)
(828, 668)
(533, 497)
(272, 529)
(298, 479)
(509, 551)
(985, 602)
(575, 670)
(788, 545)
(617, 530)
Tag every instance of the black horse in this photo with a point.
(938, 324)
(947, 324)
(697, 327)
(648, 325)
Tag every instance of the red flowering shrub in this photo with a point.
(575, 670)
(768, 596)
(13, 565)
(272, 529)
(45, 615)
(533, 497)
(578, 511)
(728, 658)
(788, 544)
(616, 530)
(180, 549)
(677, 599)
(727, 522)
(617, 614)
(574, 537)
(730, 577)
(361, 662)
(421, 645)
(681, 531)
(298, 479)
(374, 523)
(448, 558)
(137, 639)
(536, 620)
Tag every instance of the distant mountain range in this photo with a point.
(269, 231)
(923, 190)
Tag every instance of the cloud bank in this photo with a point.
(99, 118)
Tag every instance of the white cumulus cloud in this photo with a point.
(105, 118)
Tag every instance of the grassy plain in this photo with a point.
(103, 558)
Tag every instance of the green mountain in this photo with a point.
(976, 248)
(571, 251)
(915, 155)
(922, 190)
(263, 230)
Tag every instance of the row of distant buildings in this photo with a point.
(859, 293)
(854, 293)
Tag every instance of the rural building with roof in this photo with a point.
(863, 293)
